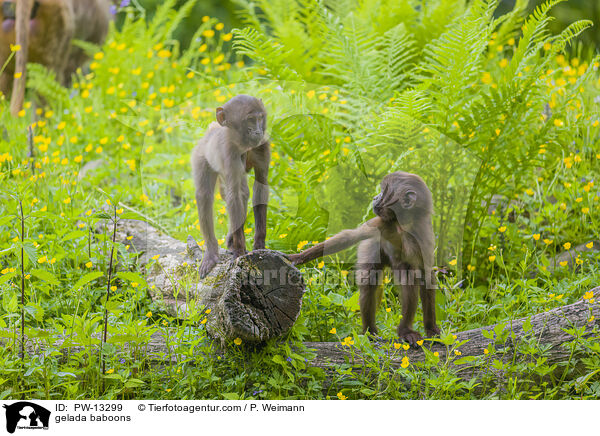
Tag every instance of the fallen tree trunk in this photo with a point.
(255, 297)
(547, 330)
(551, 331)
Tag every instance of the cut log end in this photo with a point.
(255, 297)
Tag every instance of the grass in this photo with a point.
(483, 108)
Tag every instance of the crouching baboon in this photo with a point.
(45, 29)
(229, 149)
(400, 237)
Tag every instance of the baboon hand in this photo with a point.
(295, 259)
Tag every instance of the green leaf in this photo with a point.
(527, 325)
(7, 277)
(10, 304)
(131, 277)
(134, 383)
(464, 360)
(278, 359)
(7, 250)
(30, 251)
(131, 216)
(231, 396)
(352, 302)
(86, 279)
(45, 276)
(6, 219)
(113, 376)
(74, 234)
(489, 334)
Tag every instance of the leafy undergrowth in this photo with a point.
(499, 116)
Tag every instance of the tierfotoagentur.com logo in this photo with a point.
(26, 415)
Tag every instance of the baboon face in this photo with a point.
(403, 198)
(247, 116)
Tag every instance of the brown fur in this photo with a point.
(229, 149)
(47, 37)
(401, 238)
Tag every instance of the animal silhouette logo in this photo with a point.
(26, 415)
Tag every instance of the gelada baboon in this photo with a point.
(45, 30)
(228, 150)
(400, 237)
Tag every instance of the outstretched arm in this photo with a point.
(339, 242)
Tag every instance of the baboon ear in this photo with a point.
(409, 199)
(221, 116)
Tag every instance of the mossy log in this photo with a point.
(255, 297)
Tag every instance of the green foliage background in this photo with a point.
(491, 109)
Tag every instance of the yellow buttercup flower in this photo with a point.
(405, 362)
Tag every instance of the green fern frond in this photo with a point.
(570, 33)
(161, 17)
(397, 53)
(509, 25)
(44, 83)
(453, 60)
(535, 34)
(170, 22)
(269, 53)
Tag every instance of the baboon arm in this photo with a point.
(339, 242)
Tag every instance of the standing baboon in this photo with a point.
(400, 237)
(228, 150)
